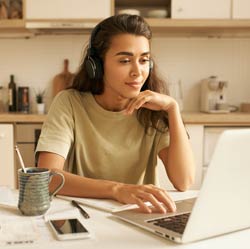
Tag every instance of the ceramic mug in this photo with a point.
(34, 195)
(222, 106)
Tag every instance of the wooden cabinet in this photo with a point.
(26, 138)
(241, 9)
(7, 166)
(187, 16)
(190, 18)
(67, 9)
(70, 15)
(201, 9)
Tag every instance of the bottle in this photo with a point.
(12, 94)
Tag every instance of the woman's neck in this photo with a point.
(111, 104)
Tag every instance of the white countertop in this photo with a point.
(111, 233)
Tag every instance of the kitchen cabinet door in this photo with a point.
(201, 9)
(196, 133)
(26, 138)
(67, 9)
(241, 9)
(7, 166)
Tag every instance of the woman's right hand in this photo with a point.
(139, 194)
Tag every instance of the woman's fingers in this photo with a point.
(155, 203)
(150, 100)
(137, 102)
(162, 197)
(142, 205)
(157, 197)
(166, 200)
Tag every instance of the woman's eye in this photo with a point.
(145, 60)
(124, 61)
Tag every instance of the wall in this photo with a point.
(35, 62)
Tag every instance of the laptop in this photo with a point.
(222, 205)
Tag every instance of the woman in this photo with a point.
(115, 120)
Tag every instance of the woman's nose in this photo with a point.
(136, 70)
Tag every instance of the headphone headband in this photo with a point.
(94, 66)
(92, 37)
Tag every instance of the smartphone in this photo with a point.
(67, 229)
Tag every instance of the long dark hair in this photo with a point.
(107, 29)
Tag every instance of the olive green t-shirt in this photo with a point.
(98, 143)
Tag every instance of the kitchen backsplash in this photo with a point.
(36, 61)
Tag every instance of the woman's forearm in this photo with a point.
(75, 185)
(180, 162)
(80, 186)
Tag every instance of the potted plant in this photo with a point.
(40, 101)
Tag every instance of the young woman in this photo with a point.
(114, 122)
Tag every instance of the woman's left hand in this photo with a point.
(150, 100)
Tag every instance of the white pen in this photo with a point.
(20, 159)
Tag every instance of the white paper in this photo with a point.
(17, 231)
(106, 205)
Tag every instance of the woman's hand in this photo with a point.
(150, 100)
(139, 194)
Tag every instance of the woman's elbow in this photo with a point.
(185, 184)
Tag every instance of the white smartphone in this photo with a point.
(67, 229)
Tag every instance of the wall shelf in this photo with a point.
(12, 23)
(14, 28)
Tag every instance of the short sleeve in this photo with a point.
(164, 141)
(58, 130)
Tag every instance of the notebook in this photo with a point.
(223, 203)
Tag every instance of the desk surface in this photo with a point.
(111, 233)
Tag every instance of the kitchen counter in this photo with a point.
(21, 118)
(229, 119)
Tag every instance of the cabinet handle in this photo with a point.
(2, 135)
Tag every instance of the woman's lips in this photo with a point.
(134, 84)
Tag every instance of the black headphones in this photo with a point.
(94, 65)
(93, 61)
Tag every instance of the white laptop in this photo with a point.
(223, 203)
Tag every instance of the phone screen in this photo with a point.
(68, 226)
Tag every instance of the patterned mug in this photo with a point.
(34, 195)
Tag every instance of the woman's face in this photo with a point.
(126, 66)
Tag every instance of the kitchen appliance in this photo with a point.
(213, 95)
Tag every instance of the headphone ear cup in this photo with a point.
(94, 67)
(151, 65)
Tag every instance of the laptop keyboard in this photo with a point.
(175, 223)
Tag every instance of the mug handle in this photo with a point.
(59, 186)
